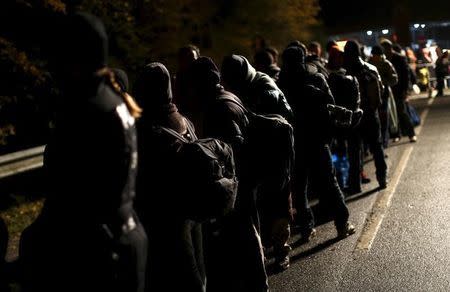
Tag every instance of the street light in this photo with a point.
(369, 32)
(385, 31)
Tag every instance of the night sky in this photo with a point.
(349, 15)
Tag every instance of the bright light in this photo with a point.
(422, 25)
(385, 31)
(416, 25)
(369, 32)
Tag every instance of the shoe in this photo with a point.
(346, 230)
(364, 178)
(282, 261)
(282, 264)
(396, 139)
(413, 139)
(310, 234)
(382, 182)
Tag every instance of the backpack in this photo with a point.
(370, 87)
(268, 147)
(206, 166)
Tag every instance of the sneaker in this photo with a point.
(310, 234)
(396, 139)
(282, 264)
(413, 139)
(346, 230)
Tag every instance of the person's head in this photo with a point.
(263, 60)
(297, 43)
(153, 88)
(80, 50)
(335, 58)
(387, 46)
(352, 53)
(293, 59)
(377, 52)
(274, 52)
(204, 77)
(236, 73)
(187, 55)
(314, 48)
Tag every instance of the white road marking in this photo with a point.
(383, 201)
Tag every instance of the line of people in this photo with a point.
(192, 192)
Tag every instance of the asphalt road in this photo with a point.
(402, 241)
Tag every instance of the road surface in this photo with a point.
(402, 241)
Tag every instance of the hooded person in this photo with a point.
(235, 238)
(257, 90)
(264, 62)
(309, 94)
(175, 240)
(400, 90)
(389, 78)
(87, 237)
(369, 129)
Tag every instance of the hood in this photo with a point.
(204, 75)
(84, 42)
(237, 73)
(153, 88)
(352, 56)
(294, 59)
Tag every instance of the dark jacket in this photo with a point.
(90, 166)
(318, 63)
(401, 67)
(257, 90)
(175, 241)
(345, 89)
(308, 93)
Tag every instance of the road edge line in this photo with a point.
(384, 198)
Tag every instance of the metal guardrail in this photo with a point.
(22, 161)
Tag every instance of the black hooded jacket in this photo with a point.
(162, 203)
(308, 93)
(90, 165)
(257, 90)
(223, 119)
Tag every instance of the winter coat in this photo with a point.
(318, 63)
(256, 90)
(87, 237)
(175, 240)
(309, 94)
(401, 67)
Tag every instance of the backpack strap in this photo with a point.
(171, 132)
(239, 103)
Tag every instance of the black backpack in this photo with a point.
(269, 146)
(206, 166)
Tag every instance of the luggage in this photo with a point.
(415, 118)
(207, 169)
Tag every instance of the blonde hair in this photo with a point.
(134, 109)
